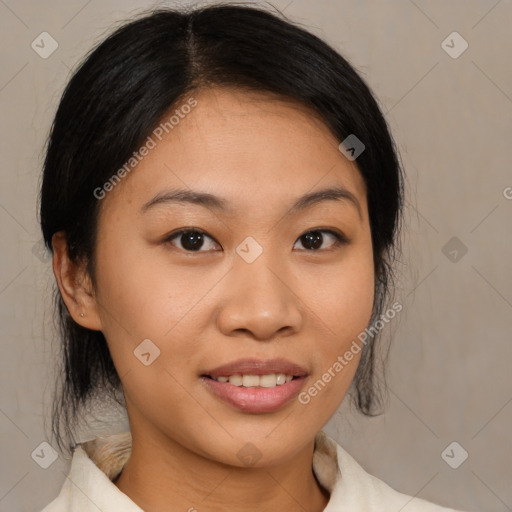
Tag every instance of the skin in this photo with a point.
(204, 309)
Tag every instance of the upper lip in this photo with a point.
(251, 366)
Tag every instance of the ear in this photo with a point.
(75, 285)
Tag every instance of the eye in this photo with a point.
(191, 240)
(314, 239)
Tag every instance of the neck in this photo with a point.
(153, 478)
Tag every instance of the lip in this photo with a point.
(255, 400)
(252, 366)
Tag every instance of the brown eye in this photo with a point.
(191, 240)
(313, 240)
(195, 240)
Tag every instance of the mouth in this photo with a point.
(250, 368)
(256, 386)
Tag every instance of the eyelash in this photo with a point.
(340, 239)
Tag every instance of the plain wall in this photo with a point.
(449, 367)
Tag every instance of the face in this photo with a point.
(245, 275)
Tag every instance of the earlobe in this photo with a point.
(75, 285)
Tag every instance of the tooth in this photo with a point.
(250, 381)
(268, 381)
(236, 380)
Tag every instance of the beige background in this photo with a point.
(449, 369)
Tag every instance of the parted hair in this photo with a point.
(119, 94)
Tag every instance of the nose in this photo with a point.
(259, 301)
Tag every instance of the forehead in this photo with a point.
(252, 148)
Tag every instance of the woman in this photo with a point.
(222, 199)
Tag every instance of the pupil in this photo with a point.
(192, 240)
(314, 238)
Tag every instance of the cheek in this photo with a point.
(142, 296)
(136, 289)
(343, 294)
(127, 287)
(342, 301)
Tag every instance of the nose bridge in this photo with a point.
(260, 299)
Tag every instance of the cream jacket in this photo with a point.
(95, 464)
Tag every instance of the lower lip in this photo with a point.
(255, 400)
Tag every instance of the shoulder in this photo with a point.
(352, 488)
(89, 486)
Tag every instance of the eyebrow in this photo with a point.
(180, 196)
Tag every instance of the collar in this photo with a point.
(89, 486)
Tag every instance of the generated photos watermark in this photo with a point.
(343, 360)
(151, 142)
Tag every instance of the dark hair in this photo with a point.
(123, 89)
